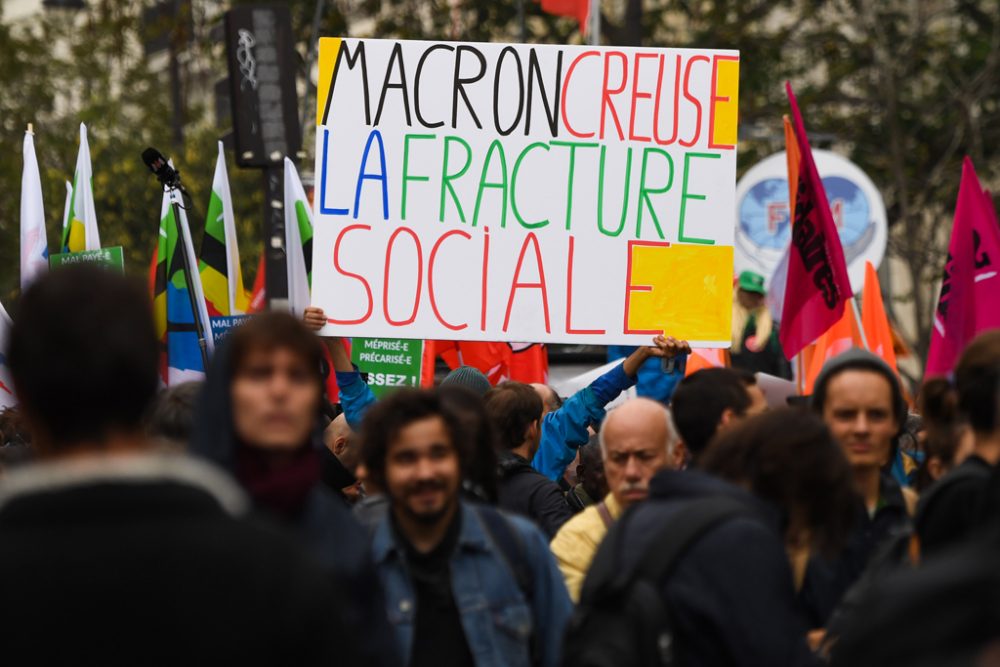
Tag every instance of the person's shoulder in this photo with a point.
(529, 534)
(583, 525)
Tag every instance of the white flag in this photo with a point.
(81, 228)
(7, 397)
(220, 271)
(67, 205)
(298, 230)
(34, 246)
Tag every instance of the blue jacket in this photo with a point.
(498, 619)
(563, 430)
(355, 397)
(652, 382)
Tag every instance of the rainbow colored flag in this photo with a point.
(180, 359)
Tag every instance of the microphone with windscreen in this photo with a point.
(160, 166)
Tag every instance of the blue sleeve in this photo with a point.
(565, 430)
(607, 387)
(355, 397)
(551, 605)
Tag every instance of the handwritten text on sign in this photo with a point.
(511, 192)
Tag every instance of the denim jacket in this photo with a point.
(497, 617)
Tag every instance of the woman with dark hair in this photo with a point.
(788, 458)
(260, 419)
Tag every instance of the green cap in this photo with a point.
(751, 282)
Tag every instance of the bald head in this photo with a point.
(636, 440)
(550, 399)
(338, 438)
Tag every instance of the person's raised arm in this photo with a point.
(565, 430)
(355, 395)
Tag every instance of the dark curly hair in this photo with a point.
(386, 418)
(789, 458)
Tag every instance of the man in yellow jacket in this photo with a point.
(637, 441)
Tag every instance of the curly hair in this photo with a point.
(384, 421)
(789, 458)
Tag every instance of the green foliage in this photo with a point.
(903, 88)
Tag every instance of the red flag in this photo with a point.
(969, 298)
(529, 363)
(258, 299)
(579, 9)
(875, 320)
(817, 283)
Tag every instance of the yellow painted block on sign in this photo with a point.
(329, 47)
(685, 291)
(726, 101)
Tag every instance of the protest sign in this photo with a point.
(521, 192)
(389, 362)
(109, 258)
(223, 325)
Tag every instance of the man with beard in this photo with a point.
(637, 441)
(465, 584)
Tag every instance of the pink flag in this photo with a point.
(817, 284)
(969, 298)
(985, 245)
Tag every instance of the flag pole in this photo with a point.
(799, 380)
(857, 321)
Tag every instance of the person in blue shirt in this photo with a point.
(564, 429)
(466, 584)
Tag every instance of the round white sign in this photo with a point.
(763, 227)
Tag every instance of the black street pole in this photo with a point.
(522, 27)
(275, 258)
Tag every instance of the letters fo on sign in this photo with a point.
(511, 192)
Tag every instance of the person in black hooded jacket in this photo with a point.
(516, 412)
(260, 419)
(730, 593)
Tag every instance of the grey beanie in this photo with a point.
(469, 377)
(858, 359)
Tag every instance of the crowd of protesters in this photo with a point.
(246, 520)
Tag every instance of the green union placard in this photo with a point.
(389, 362)
(109, 258)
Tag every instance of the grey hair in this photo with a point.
(672, 437)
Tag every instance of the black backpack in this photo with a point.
(622, 619)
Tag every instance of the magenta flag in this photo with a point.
(969, 301)
(817, 283)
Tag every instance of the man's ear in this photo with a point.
(531, 433)
(679, 456)
(339, 445)
(727, 417)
